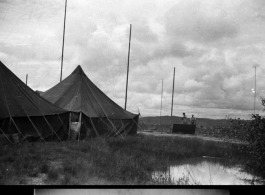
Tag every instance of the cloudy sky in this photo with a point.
(213, 45)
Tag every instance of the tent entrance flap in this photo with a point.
(75, 125)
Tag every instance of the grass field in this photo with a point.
(97, 161)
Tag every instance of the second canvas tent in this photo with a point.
(99, 115)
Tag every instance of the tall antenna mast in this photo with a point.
(255, 91)
(128, 67)
(63, 40)
(172, 95)
(161, 102)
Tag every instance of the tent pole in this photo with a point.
(63, 40)
(255, 90)
(128, 67)
(172, 95)
(26, 79)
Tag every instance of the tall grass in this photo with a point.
(131, 160)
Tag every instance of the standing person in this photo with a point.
(193, 120)
(184, 118)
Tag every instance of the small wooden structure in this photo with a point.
(183, 128)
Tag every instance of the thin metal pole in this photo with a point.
(172, 95)
(128, 67)
(63, 40)
(26, 79)
(161, 102)
(255, 91)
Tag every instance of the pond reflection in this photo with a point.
(202, 171)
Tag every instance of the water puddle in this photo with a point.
(202, 171)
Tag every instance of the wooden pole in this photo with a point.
(128, 67)
(161, 102)
(26, 79)
(255, 90)
(63, 41)
(172, 95)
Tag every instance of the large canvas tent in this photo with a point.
(25, 112)
(100, 115)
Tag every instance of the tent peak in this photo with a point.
(78, 70)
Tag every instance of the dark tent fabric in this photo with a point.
(25, 112)
(100, 115)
